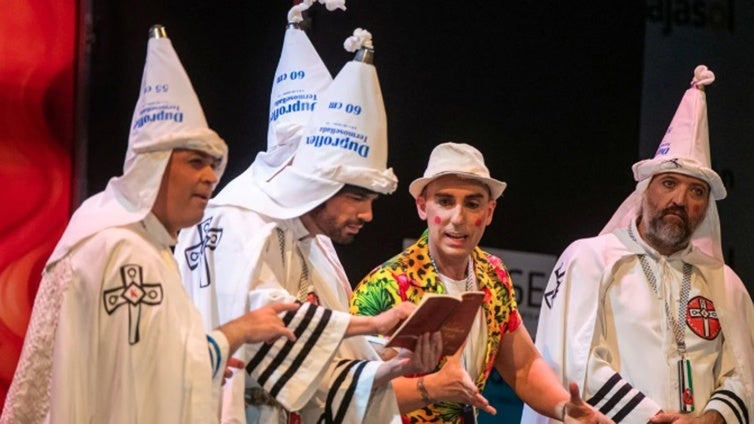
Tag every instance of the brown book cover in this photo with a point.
(449, 314)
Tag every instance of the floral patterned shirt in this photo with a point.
(410, 274)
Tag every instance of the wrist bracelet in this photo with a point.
(423, 391)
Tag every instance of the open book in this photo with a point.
(449, 314)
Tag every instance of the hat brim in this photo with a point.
(292, 193)
(650, 167)
(496, 187)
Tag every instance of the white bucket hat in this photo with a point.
(685, 150)
(458, 159)
(167, 116)
(345, 142)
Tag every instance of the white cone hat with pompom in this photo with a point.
(685, 150)
(685, 146)
(345, 142)
(299, 78)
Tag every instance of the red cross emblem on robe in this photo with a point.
(701, 318)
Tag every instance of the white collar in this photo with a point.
(295, 226)
(156, 231)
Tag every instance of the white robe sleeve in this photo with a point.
(219, 353)
(734, 396)
(728, 398)
(290, 371)
(347, 393)
(348, 390)
(615, 397)
(32, 379)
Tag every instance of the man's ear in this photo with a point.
(421, 207)
(491, 207)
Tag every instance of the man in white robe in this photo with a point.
(272, 228)
(113, 336)
(647, 316)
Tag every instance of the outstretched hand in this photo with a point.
(259, 325)
(266, 324)
(709, 417)
(452, 383)
(578, 411)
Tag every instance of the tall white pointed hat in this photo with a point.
(685, 147)
(685, 150)
(345, 141)
(167, 116)
(299, 78)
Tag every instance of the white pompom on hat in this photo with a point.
(685, 147)
(345, 142)
(458, 159)
(167, 116)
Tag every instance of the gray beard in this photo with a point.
(666, 236)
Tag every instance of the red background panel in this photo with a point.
(37, 81)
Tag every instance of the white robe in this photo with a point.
(233, 255)
(602, 326)
(114, 338)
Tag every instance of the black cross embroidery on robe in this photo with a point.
(550, 295)
(134, 292)
(209, 238)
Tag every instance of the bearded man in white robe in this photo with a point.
(272, 228)
(659, 329)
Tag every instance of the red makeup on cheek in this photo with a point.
(437, 220)
(478, 222)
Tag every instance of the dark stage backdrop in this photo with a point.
(548, 91)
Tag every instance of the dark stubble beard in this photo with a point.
(669, 236)
(329, 227)
(339, 238)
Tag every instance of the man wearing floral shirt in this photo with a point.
(457, 198)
